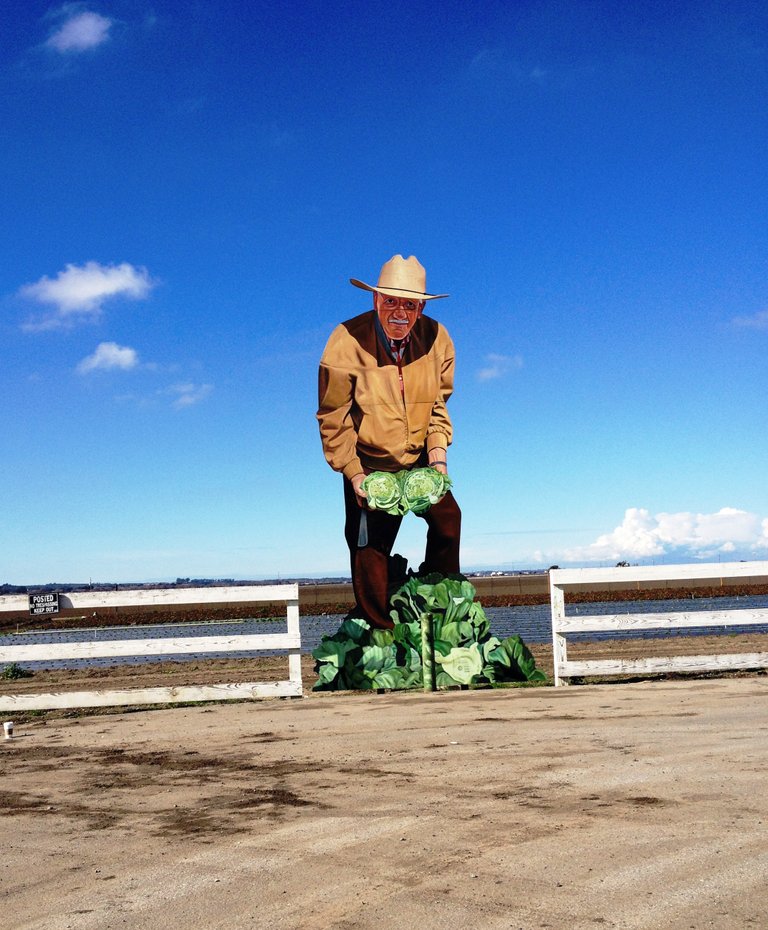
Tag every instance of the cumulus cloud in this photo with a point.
(81, 30)
(758, 320)
(108, 356)
(496, 366)
(188, 394)
(78, 292)
(695, 535)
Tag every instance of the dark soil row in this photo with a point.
(633, 594)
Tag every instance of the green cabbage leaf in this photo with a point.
(463, 664)
(357, 657)
(422, 487)
(383, 491)
(396, 493)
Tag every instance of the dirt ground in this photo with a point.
(634, 805)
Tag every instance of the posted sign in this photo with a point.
(43, 604)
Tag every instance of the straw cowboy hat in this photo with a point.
(401, 277)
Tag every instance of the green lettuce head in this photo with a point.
(423, 487)
(383, 492)
(462, 663)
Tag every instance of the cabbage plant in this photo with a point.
(463, 664)
(384, 492)
(422, 487)
(358, 657)
(398, 492)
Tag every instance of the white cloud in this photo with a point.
(109, 355)
(498, 365)
(187, 394)
(80, 31)
(758, 320)
(78, 292)
(179, 396)
(496, 63)
(700, 535)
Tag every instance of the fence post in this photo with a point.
(92, 647)
(427, 652)
(294, 655)
(559, 647)
(622, 578)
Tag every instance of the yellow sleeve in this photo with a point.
(440, 429)
(336, 387)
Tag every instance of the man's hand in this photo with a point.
(438, 459)
(357, 487)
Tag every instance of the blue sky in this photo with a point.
(188, 187)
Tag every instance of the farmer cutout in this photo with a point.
(385, 377)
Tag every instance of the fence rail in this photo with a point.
(563, 580)
(289, 641)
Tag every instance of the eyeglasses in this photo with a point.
(399, 303)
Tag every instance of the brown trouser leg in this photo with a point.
(370, 563)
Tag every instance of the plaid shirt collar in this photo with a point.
(398, 346)
(395, 347)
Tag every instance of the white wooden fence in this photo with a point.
(562, 580)
(11, 652)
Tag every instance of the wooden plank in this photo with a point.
(559, 644)
(91, 649)
(720, 571)
(561, 580)
(649, 621)
(290, 641)
(294, 656)
(658, 665)
(292, 617)
(156, 597)
(131, 696)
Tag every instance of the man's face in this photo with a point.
(397, 315)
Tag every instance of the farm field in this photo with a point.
(213, 671)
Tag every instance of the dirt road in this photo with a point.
(625, 805)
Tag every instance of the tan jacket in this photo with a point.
(366, 424)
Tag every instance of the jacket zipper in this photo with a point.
(406, 431)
